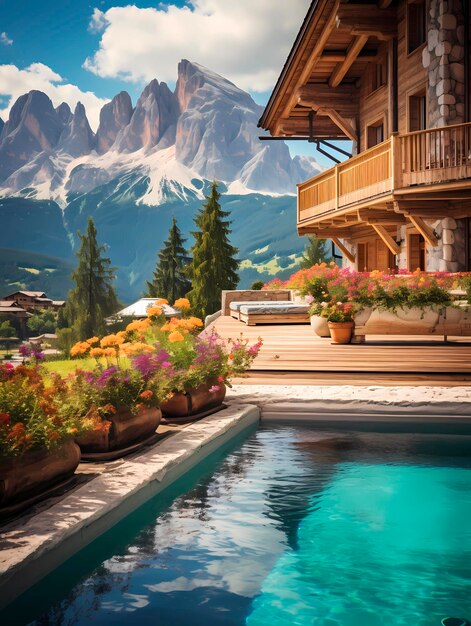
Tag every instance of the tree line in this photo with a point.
(200, 274)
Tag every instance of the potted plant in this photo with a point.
(37, 449)
(123, 402)
(339, 317)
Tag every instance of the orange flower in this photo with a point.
(111, 341)
(160, 301)
(182, 303)
(146, 395)
(154, 311)
(135, 348)
(96, 353)
(138, 325)
(81, 347)
(92, 340)
(175, 336)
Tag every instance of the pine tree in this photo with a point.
(213, 266)
(315, 252)
(170, 280)
(93, 298)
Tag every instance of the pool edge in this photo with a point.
(109, 498)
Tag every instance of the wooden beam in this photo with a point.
(341, 122)
(425, 230)
(345, 251)
(342, 68)
(313, 58)
(328, 233)
(366, 19)
(383, 4)
(384, 218)
(386, 237)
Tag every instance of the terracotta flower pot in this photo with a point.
(194, 400)
(341, 332)
(126, 428)
(35, 471)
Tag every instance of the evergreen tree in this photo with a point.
(93, 298)
(213, 266)
(316, 251)
(170, 280)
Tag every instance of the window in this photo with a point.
(375, 134)
(379, 72)
(417, 112)
(416, 24)
(416, 252)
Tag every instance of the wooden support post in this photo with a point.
(341, 122)
(344, 250)
(425, 230)
(386, 237)
(352, 53)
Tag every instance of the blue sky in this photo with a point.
(81, 50)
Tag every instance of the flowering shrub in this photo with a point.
(338, 311)
(30, 412)
(30, 352)
(101, 392)
(325, 285)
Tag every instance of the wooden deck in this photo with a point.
(292, 354)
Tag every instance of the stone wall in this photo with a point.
(444, 58)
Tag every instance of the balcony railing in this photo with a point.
(424, 157)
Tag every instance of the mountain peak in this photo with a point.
(33, 126)
(192, 76)
(156, 113)
(77, 137)
(114, 116)
(64, 113)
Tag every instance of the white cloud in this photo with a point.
(5, 39)
(98, 22)
(14, 82)
(246, 41)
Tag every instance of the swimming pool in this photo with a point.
(292, 526)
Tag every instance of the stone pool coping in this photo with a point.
(349, 402)
(33, 545)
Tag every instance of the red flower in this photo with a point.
(145, 395)
(4, 418)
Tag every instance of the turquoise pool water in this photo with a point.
(291, 527)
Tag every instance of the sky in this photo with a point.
(77, 50)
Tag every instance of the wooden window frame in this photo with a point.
(418, 90)
(421, 45)
(375, 123)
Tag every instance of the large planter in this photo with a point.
(194, 401)
(341, 332)
(126, 429)
(27, 476)
(320, 326)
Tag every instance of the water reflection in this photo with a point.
(284, 529)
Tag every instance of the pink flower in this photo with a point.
(214, 388)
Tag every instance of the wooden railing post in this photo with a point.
(337, 188)
(396, 161)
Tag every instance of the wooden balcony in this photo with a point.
(425, 160)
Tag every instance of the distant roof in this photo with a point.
(44, 299)
(49, 336)
(58, 302)
(139, 309)
(31, 294)
(10, 304)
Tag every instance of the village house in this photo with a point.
(34, 300)
(393, 77)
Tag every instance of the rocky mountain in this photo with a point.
(160, 154)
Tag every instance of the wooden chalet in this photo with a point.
(393, 77)
(34, 300)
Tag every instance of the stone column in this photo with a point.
(444, 59)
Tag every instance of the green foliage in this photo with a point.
(213, 267)
(44, 321)
(316, 251)
(169, 280)
(466, 285)
(65, 340)
(257, 285)
(93, 298)
(6, 329)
